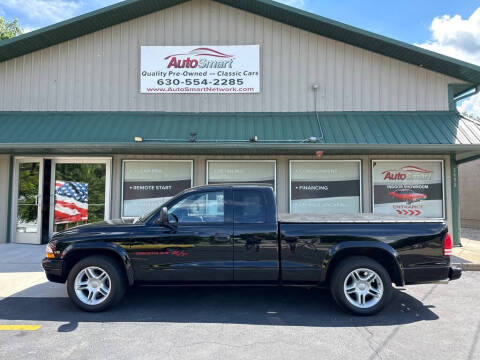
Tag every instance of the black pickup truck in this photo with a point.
(224, 234)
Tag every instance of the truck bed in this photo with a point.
(349, 218)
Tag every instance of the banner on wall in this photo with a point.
(201, 69)
(325, 187)
(408, 188)
(149, 184)
(260, 172)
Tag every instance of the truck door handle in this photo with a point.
(221, 237)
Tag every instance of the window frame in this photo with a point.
(122, 181)
(441, 161)
(81, 160)
(228, 213)
(202, 193)
(360, 174)
(268, 208)
(243, 161)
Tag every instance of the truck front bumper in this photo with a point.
(54, 269)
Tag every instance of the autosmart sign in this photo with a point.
(408, 187)
(200, 69)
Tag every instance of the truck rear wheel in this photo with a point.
(361, 285)
(96, 283)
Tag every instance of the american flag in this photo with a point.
(71, 202)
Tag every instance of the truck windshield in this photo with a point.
(147, 216)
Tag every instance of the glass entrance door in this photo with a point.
(28, 200)
(80, 192)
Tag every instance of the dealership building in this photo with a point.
(109, 114)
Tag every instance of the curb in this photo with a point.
(467, 266)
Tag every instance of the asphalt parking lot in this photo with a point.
(421, 322)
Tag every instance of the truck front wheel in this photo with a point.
(361, 285)
(96, 283)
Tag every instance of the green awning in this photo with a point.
(444, 132)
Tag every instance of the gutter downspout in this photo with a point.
(467, 94)
(455, 200)
(454, 174)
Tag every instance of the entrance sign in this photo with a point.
(408, 188)
(201, 69)
(148, 184)
(325, 187)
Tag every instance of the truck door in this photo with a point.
(255, 248)
(196, 247)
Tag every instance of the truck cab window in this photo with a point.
(250, 207)
(200, 207)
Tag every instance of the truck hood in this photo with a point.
(110, 226)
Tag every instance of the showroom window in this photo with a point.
(408, 188)
(147, 184)
(325, 186)
(241, 171)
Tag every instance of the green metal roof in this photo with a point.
(131, 9)
(386, 131)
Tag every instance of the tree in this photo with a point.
(471, 115)
(9, 29)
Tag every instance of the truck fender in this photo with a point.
(107, 247)
(388, 256)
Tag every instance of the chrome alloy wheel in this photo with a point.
(92, 285)
(363, 288)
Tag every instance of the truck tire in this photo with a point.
(361, 285)
(96, 283)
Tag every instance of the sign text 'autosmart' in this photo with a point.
(200, 69)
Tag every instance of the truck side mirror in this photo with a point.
(163, 218)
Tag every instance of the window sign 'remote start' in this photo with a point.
(200, 69)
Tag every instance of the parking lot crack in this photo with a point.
(372, 344)
(222, 344)
(475, 342)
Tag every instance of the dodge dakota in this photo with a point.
(231, 234)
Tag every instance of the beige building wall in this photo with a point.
(101, 71)
(4, 195)
(469, 186)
